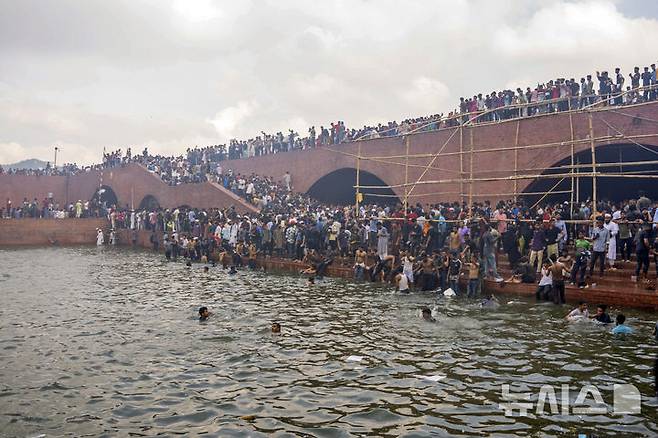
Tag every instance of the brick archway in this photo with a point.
(609, 155)
(149, 202)
(337, 187)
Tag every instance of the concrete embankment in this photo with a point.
(43, 232)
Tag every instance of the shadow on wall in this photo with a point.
(614, 189)
(149, 203)
(337, 187)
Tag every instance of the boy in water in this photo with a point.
(579, 312)
(601, 315)
(621, 328)
(276, 327)
(402, 283)
(204, 313)
(454, 270)
(427, 314)
(473, 276)
(558, 271)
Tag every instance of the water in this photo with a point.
(100, 342)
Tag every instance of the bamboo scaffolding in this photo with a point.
(571, 170)
(566, 143)
(524, 177)
(547, 193)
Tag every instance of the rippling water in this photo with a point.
(106, 342)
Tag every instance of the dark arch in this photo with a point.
(614, 189)
(149, 203)
(337, 187)
(105, 196)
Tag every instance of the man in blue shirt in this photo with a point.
(599, 238)
(621, 328)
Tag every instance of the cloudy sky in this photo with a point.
(168, 74)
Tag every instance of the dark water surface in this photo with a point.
(103, 342)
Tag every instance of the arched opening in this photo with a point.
(149, 203)
(337, 187)
(104, 197)
(629, 159)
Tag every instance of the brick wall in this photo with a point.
(15, 232)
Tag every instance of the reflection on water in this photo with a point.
(107, 342)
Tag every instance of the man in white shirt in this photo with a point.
(613, 228)
(579, 312)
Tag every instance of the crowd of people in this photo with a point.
(437, 247)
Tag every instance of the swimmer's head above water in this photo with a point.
(204, 313)
(276, 327)
(427, 314)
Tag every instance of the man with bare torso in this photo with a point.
(558, 271)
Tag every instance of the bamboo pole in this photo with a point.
(461, 160)
(486, 195)
(547, 193)
(593, 152)
(358, 182)
(578, 181)
(406, 176)
(470, 184)
(516, 158)
(422, 175)
(572, 159)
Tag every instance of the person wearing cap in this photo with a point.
(613, 228)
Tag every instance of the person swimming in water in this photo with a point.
(204, 313)
(601, 315)
(578, 313)
(276, 327)
(205, 269)
(621, 328)
(311, 281)
(490, 302)
(427, 314)
(233, 271)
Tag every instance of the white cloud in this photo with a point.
(427, 94)
(228, 120)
